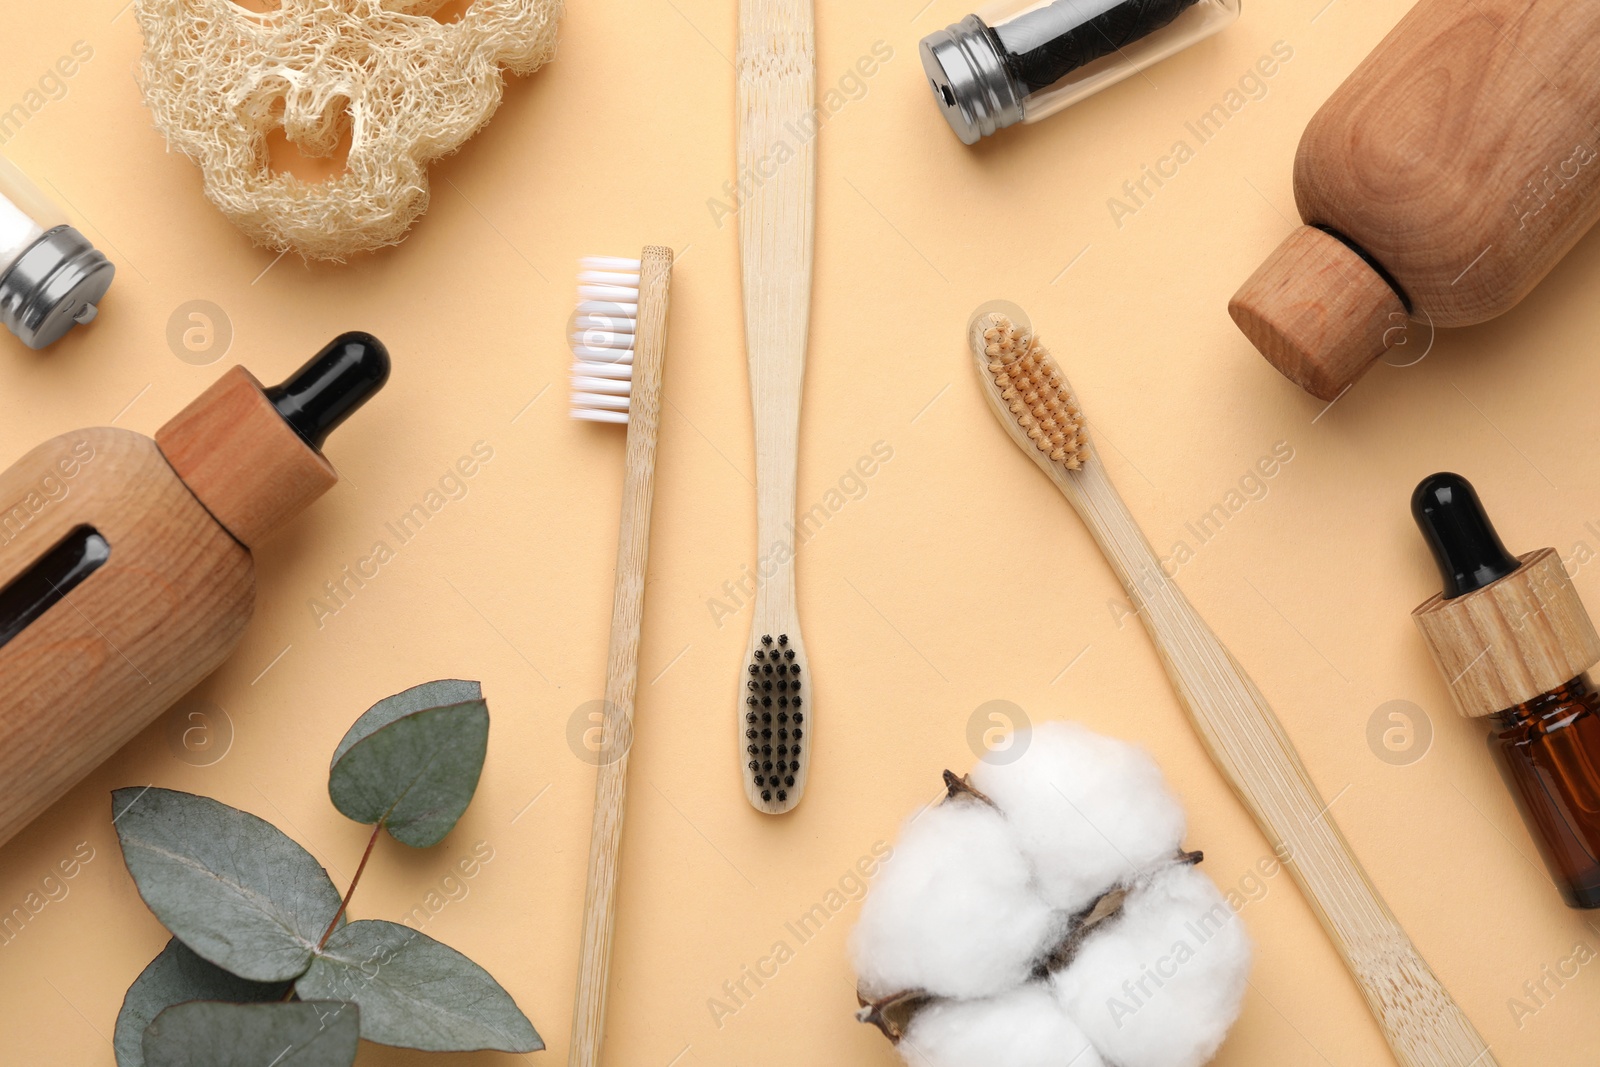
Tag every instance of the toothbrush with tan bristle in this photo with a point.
(620, 340)
(1422, 1024)
(776, 89)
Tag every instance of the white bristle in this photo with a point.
(590, 369)
(603, 355)
(604, 323)
(601, 337)
(608, 386)
(600, 401)
(588, 415)
(609, 308)
(621, 293)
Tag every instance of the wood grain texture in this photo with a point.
(1422, 1024)
(1511, 640)
(622, 663)
(242, 460)
(1318, 313)
(163, 612)
(777, 72)
(1464, 153)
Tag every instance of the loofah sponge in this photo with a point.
(405, 87)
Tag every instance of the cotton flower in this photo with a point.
(954, 913)
(1087, 811)
(1045, 916)
(1160, 985)
(1023, 1028)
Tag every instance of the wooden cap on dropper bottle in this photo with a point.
(1504, 629)
(252, 455)
(1318, 311)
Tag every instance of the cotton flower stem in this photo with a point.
(892, 1014)
(958, 786)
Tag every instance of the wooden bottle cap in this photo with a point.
(1512, 640)
(1318, 312)
(242, 460)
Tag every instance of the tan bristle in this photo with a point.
(1036, 393)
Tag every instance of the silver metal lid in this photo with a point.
(56, 284)
(969, 80)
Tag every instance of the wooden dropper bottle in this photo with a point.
(126, 573)
(1513, 642)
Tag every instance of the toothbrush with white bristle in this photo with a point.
(619, 335)
(603, 333)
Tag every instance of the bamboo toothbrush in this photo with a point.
(777, 85)
(620, 339)
(1034, 403)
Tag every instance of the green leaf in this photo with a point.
(412, 761)
(174, 976)
(205, 1033)
(231, 886)
(415, 992)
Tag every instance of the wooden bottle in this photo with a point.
(1447, 175)
(125, 567)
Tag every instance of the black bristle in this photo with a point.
(796, 703)
(788, 779)
(767, 765)
(783, 751)
(783, 702)
(766, 716)
(751, 702)
(750, 718)
(760, 780)
(783, 716)
(766, 639)
(766, 794)
(766, 687)
(766, 750)
(751, 749)
(798, 734)
(766, 702)
(766, 734)
(798, 718)
(794, 668)
(754, 669)
(794, 765)
(783, 639)
(750, 734)
(754, 766)
(752, 685)
(782, 795)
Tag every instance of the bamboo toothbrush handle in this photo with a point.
(1422, 1024)
(777, 163)
(622, 665)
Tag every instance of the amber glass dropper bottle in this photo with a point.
(1513, 642)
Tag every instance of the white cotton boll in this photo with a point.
(1023, 1028)
(1088, 811)
(953, 911)
(1159, 985)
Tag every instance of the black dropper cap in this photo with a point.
(1465, 547)
(323, 393)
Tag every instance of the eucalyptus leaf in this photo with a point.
(206, 1033)
(231, 886)
(412, 761)
(173, 977)
(415, 992)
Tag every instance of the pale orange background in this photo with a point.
(959, 578)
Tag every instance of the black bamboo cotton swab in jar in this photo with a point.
(620, 340)
(51, 277)
(1023, 60)
(777, 73)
